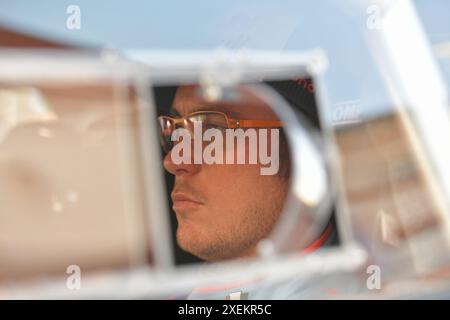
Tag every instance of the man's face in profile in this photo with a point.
(224, 210)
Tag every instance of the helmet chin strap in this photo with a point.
(319, 242)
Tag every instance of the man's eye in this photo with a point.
(213, 126)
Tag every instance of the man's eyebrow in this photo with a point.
(174, 113)
(219, 108)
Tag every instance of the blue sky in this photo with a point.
(259, 24)
(187, 24)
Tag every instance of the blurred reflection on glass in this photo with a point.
(387, 193)
(391, 139)
(225, 206)
(66, 162)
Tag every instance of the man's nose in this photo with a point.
(180, 169)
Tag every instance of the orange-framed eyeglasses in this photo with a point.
(208, 119)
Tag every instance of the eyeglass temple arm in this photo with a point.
(235, 123)
(255, 123)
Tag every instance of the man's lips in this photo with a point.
(182, 201)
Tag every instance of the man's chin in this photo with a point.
(188, 237)
(206, 246)
(192, 239)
